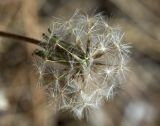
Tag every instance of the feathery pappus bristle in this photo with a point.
(84, 60)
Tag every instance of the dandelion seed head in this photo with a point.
(84, 60)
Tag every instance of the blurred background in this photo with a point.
(136, 104)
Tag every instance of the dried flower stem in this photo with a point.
(19, 37)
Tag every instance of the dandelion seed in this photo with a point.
(85, 59)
